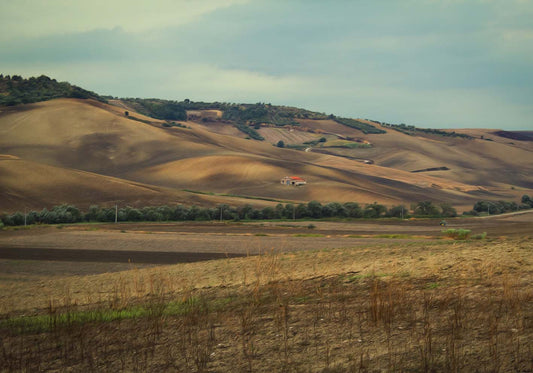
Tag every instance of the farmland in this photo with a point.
(322, 296)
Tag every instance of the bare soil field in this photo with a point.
(169, 243)
(101, 248)
(344, 296)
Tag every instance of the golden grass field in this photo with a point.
(345, 296)
(84, 152)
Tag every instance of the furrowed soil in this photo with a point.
(384, 295)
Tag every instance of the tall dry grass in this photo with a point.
(268, 318)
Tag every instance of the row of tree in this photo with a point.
(354, 123)
(500, 207)
(312, 210)
(409, 129)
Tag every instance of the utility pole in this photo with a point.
(116, 214)
(488, 209)
(402, 212)
(25, 215)
(221, 213)
(293, 212)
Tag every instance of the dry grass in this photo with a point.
(419, 307)
(75, 135)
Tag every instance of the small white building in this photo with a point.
(293, 180)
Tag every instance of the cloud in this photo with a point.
(425, 63)
(170, 80)
(37, 18)
(213, 83)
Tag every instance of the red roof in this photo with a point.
(296, 178)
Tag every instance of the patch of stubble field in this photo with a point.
(419, 306)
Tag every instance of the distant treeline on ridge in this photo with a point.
(15, 90)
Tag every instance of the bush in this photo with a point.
(457, 234)
(480, 236)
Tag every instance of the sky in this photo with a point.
(429, 63)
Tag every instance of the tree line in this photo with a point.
(15, 90)
(500, 207)
(65, 213)
(409, 129)
(312, 210)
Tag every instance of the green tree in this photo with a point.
(180, 213)
(165, 212)
(526, 200)
(192, 213)
(302, 211)
(224, 212)
(315, 209)
(353, 210)
(279, 211)
(289, 211)
(92, 213)
(280, 144)
(398, 211)
(245, 212)
(374, 210)
(268, 213)
(426, 208)
(448, 211)
(203, 214)
(133, 214)
(335, 209)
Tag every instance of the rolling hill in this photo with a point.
(85, 151)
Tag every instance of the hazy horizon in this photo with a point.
(439, 64)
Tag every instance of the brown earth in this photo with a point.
(288, 135)
(86, 143)
(221, 239)
(385, 305)
(132, 244)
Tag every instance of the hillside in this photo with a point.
(71, 150)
